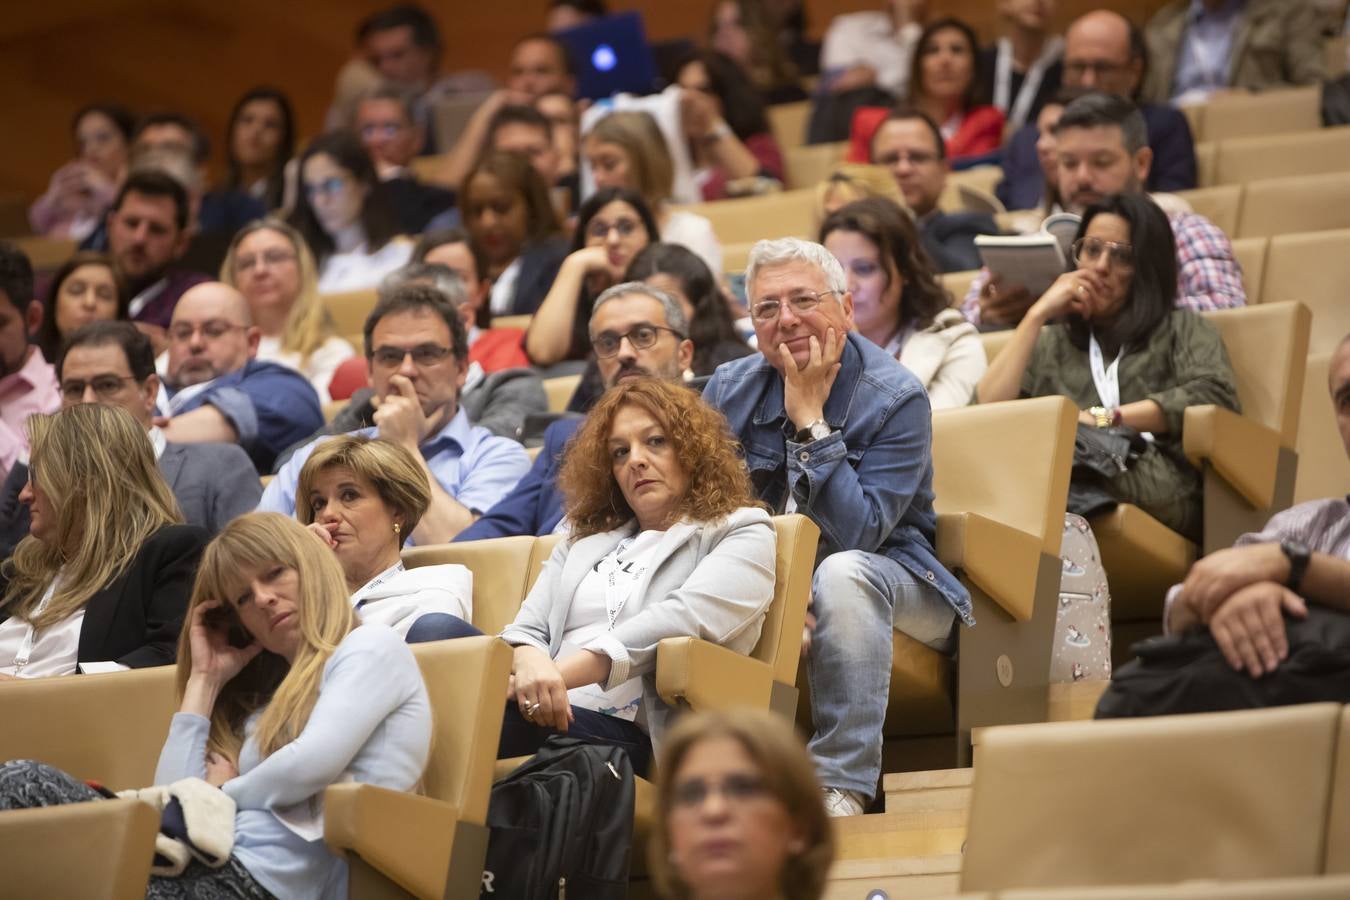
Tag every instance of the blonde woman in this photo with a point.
(848, 182)
(102, 580)
(281, 693)
(270, 264)
(626, 149)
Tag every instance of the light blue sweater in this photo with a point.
(371, 724)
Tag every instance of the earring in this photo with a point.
(396, 528)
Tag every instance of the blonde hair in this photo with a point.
(789, 777)
(390, 468)
(96, 465)
(856, 181)
(308, 324)
(286, 695)
(640, 138)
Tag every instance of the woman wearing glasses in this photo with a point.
(1107, 336)
(739, 815)
(344, 218)
(614, 224)
(103, 578)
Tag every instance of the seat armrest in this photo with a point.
(1246, 454)
(101, 849)
(1002, 561)
(379, 825)
(705, 676)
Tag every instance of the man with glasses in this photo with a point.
(837, 430)
(1102, 150)
(636, 331)
(387, 128)
(909, 144)
(217, 391)
(416, 349)
(114, 364)
(1104, 51)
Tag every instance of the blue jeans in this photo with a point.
(858, 597)
(521, 737)
(439, 627)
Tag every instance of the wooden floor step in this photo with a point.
(940, 789)
(903, 834)
(909, 878)
(1075, 701)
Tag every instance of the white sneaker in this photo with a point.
(843, 803)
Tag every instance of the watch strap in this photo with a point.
(1299, 556)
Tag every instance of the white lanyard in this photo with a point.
(1019, 109)
(142, 300)
(1106, 378)
(369, 588)
(616, 594)
(26, 645)
(897, 344)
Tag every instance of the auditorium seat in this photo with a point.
(348, 311)
(748, 219)
(1307, 888)
(1251, 256)
(1337, 860)
(521, 322)
(1314, 269)
(1320, 151)
(1221, 205)
(1206, 153)
(957, 284)
(1323, 470)
(979, 181)
(501, 574)
(736, 256)
(1241, 114)
(85, 851)
(788, 121)
(560, 390)
(808, 165)
(1237, 795)
(46, 254)
(432, 843)
(1274, 206)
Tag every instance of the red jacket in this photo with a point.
(981, 132)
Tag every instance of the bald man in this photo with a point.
(217, 391)
(1104, 51)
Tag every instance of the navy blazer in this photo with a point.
(539, 265)
(949, 238)
(534, 505)
(136, 619)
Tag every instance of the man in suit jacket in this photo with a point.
(909, 143)
(113, 363)
(1197, 47)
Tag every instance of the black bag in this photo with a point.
(561, 825)
(832, 114)
(1187, 673)
(1336, 101)
(1099, 455)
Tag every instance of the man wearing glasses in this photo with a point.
(416, 350)
(636, 331)
(216, 391)
(113, 363)
(387, 128)
(837, 430)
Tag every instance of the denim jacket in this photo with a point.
(882, 500)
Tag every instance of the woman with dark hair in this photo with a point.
(1123, 353)
(87, 288)
(898, 303)
(344, 219)
(82, 190)
(748, 33)
(945, 83)
(613, 225)
(514, 228)
(259, 140)
(665, 539)
(728, 134)
(678, 271)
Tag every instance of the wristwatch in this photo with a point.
(1299, 556)
(814, 431)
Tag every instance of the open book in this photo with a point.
(1033, 260)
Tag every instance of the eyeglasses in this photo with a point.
(607, 343)
(735, 788)
(212, 330)
(274, 257)
(423, 355)
(917, 158)
(601, 229)
(105, 386)
(767, 310)
(1087, 251)
(330, 185)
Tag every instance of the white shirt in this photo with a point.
(696, 233)
(398, 597)
(319, 367)
(503, 296)
(54, 650)
(870, 39)
(600, 598)
(359, 269)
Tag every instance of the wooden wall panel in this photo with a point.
(197, 56)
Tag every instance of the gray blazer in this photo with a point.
(711, 580)
(213, 482)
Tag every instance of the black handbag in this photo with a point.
(1099, 455)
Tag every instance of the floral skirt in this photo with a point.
(1082, 645)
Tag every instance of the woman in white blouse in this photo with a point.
(103, 578)
(270, 265)
(666, 540)
(344, 217)
(362, 497)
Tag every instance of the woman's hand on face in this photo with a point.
(213, 657)
(591, 259)
(1072, 292)
(698, 113)
(536, 680)
(323, 533)
(219, 769)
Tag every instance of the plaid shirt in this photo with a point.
(1208, 275)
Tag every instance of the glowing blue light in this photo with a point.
(604, 59)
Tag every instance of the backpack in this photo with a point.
(561, 825)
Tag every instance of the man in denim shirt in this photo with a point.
(834, 428)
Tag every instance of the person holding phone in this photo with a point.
(102, 580)
(281, 692)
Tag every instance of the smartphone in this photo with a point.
(222, 618)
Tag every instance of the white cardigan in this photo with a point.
(948, 358)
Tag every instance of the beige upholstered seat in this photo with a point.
(46, 254)
(788, 121)
(1221, 205)
(810, 164)
(560, 390)
(349, 310)
(1307, 888)
(85, 851)
(1251, 256)
(1323, 470)
(501, 574)
(1275, 155)
(748, 219)
(1296, 203)
(1314, 269)
(1338, 807)
(1269, 112)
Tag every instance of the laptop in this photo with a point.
(611, 56)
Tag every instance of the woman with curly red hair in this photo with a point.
(665, 540)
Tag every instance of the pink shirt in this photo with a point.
(32, 389)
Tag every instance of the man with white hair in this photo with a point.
(837, 430)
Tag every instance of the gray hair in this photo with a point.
(386, 91)
(442, 278)
(768, 254)
(1099, 110)
(674, 312)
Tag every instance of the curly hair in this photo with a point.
(704, 448)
